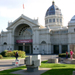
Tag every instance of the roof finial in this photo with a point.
(53, 2)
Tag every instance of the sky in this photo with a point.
(10, 10)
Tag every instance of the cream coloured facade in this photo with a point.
(28, 35)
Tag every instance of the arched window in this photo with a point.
(43, 42)
(5, 43)
(25, 30)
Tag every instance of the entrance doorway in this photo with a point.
(56, 49)
(27, 49)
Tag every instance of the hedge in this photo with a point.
(3, 53)
(64, 55)
(12, 53)
(9, 54)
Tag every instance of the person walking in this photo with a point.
(71, 54)
(16, 55)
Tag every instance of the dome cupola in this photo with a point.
(53, 17)
(72, 22)
(52, 10)
(72, 19)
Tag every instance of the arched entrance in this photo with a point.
(23, 38)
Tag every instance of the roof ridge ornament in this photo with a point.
(53, 2)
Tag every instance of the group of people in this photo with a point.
(71, 54)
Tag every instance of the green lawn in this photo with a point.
(57, 69)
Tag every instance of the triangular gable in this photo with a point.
(25, 18)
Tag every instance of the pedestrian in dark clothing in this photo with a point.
(16, 55)
(66, 54)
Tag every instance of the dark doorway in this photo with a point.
(27, 48)
(64, 48)
(56, 49)
(20, 48)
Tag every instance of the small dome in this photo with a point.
(52, 10)
(72, 19)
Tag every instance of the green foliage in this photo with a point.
(58, 69)
(1, 56)
(21, 54)
(9, 54)
(14, 51)
(3, 53)
(64, 55)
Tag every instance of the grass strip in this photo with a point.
(57, 69)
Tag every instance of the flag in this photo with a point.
(23, 6)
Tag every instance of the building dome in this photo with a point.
(53, 10)
(72, 19)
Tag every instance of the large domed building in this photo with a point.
(28, 35)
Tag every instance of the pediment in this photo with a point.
(23, 19)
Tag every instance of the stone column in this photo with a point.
(68, 47)
(49, 46)
(60, 49)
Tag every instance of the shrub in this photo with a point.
(1, 56)
(64, 55)
(12, 53)
(3, 53)
(9, 54)
(21, 54)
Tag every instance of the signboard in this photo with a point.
(17, 62)
(24, 41)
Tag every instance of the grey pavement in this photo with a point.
(7, 64)
(24, 71)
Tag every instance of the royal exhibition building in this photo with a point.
(28, 35)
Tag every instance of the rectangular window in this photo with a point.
(53, 20)
(50, 20)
